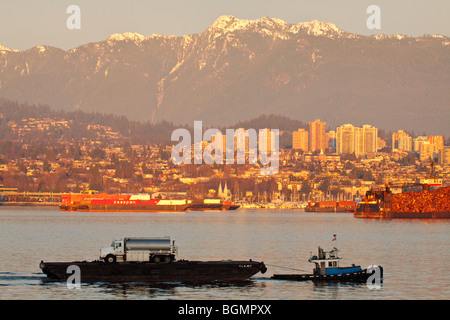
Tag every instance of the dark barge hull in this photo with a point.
(231, 207)
(177, 271)
(204, 206)
(326, 209)
(212, 206)
(361, 276)
(124, 208)
(401, 215)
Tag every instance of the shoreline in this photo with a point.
(28, 204)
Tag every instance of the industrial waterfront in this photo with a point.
(281, 238)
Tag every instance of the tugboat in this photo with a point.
(327, 269)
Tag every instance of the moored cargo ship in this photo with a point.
(228, 205)
(141, 202)
(330, 206)
(211, 204)
(120, 202)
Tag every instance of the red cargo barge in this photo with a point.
(119, 203)
(141, 202)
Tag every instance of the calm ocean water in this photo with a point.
(415, 254)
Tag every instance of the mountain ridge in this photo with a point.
(238, 69)
(313, 27)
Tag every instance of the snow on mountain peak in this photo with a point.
(3, 48)
(317, 28)
(129, 36)
(228, 23)
(223, 21)
(267, 26)
(41, 49)
(231, 23)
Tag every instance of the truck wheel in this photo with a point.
(110, 258)
(166, 259)
(156, 259)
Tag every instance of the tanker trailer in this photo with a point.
(140, 250)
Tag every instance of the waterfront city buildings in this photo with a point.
(401, 141)
(300, 140)
(318, 139)
(355, 140)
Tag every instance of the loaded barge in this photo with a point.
(175, 271)
(426, 204)
(150, 260)
(103, 202)
(383, 204)
(119, 203)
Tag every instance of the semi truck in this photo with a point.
(140, 250)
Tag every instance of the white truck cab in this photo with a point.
(113, 253)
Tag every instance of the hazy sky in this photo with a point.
(27, 23)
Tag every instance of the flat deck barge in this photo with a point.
(175, 271)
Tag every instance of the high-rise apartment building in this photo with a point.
(355, 140)
(318, 139)
(370, 137)
(345, 139)
(437, 142)
(240, 141)
(300, 140)
(444, 156)
(222, 147)
(265, 140)
(426, 151)
(428, 147)
(401, 141)
(381, 143)
(417, 142)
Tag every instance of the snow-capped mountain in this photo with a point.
(237, 69)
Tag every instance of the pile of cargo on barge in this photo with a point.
(412, 205)
(424, 201)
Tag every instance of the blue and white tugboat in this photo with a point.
(327, 269)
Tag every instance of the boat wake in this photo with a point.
(10, 278)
